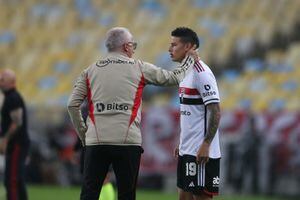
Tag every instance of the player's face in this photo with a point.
(178, 49)
(6, 80)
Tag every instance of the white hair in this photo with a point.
(116, 37)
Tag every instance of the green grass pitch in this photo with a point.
(58, 193)
(72, 193)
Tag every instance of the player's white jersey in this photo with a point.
(198, 89)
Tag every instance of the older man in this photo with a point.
(113, 87)
(15, 141)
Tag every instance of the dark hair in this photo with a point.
(186, 35)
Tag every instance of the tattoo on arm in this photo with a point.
(214, 115)
(17, 116)
(17, 121)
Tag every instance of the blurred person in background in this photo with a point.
(63, 138)
(113, 87)
(250, 144)
(199, 149)
(14, 137)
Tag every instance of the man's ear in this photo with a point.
(188, 46)
(125, 48)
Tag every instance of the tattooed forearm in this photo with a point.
(214, 115)
(17, 121)
(17, 116)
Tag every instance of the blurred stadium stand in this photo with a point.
(253, 46)
(49, 42)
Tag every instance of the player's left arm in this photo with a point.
(207, 86)
(213, 120)
(16, 122)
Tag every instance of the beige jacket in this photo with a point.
(113, 87)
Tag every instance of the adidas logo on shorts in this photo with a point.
(192, 184)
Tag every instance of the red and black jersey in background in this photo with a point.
(13, 101)
(17, 147)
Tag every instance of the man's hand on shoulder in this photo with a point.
(193, 52)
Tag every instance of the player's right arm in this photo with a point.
(77, 97)
(158, 76)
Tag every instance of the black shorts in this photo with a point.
(198, 179)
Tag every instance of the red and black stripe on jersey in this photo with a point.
(199, 68)
(189, 101)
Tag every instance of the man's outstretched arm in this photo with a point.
(158, 76)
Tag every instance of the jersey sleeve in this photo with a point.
(158, 76)
(207, 86)
(15, 102)
(79, 92)
(77, 97)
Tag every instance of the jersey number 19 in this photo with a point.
(191, 169)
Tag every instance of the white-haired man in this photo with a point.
(113, 87)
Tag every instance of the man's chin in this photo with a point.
(174, 59)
